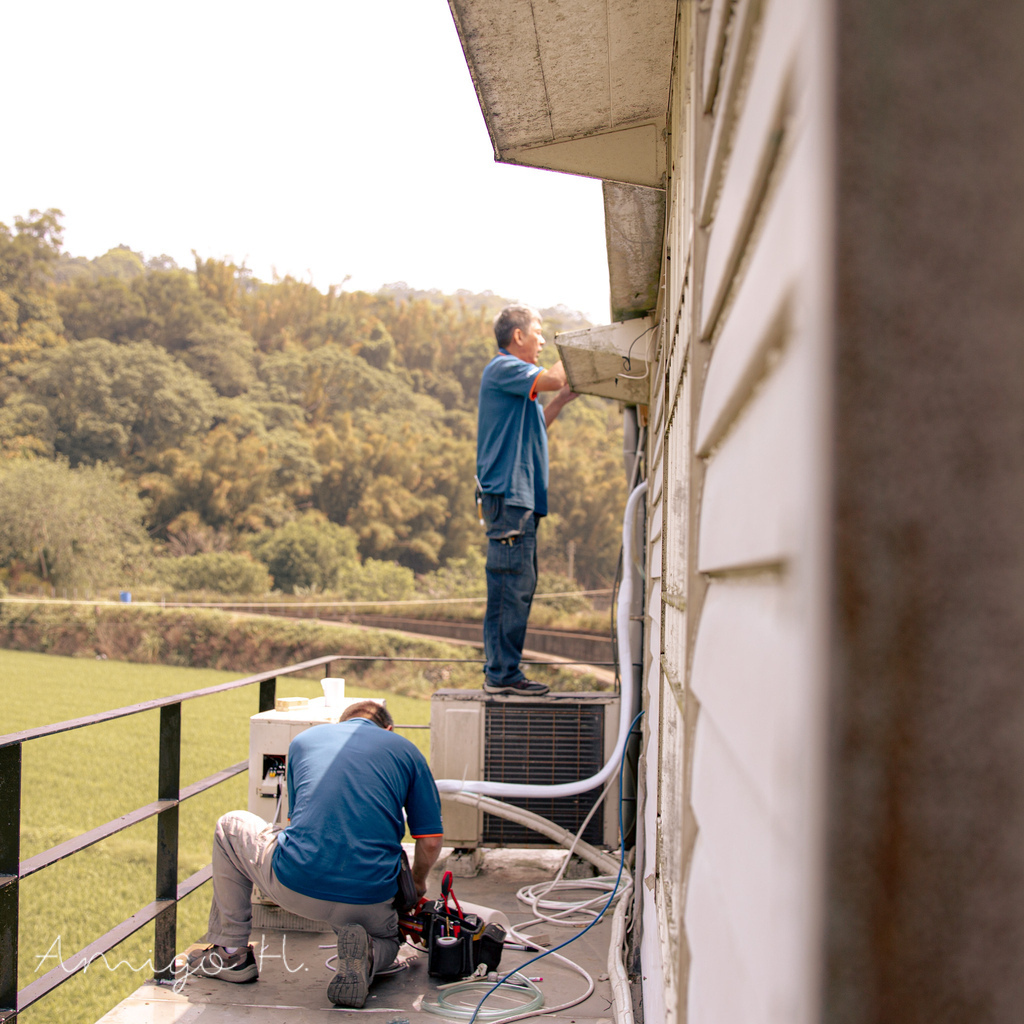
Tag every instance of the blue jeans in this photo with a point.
(511, 582)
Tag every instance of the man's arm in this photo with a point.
(428, 849)
(555, 380)
(558, 403)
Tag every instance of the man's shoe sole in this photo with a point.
(516, 691)
(351, 981)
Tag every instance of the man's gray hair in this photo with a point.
(509, 319)
(370, 709)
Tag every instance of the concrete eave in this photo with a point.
(579, 86)
(610, 361)
(634, 220)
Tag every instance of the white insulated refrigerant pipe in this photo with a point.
(505, 789)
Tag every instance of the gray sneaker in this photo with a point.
(351, 981)
(522, 688)
(216, 962)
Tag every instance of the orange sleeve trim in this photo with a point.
(536, 381)
(433, 835)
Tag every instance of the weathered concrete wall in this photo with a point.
(738, 513)
(925, 897)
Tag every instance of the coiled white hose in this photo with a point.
(622, 1003)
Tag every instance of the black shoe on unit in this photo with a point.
(522, 688)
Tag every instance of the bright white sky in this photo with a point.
(321, 139)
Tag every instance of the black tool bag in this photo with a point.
(458, 943)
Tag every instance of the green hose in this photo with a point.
(445, 1008)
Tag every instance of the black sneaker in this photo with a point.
(522, 688)
(351, 981)
(216, 962)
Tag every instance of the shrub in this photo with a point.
(220, 571)
(375, 580)
(309, 552)
(461, 577)
(553, 583)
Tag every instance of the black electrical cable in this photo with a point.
(604, 909)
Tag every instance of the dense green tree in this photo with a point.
(176, 309)
(236, 405)
(102, 307)
(588, 491)
(30, 322)
(25, 428)
(108, 401)
(120, 262)
(307, 553)
(223, 354)
(70, 527)
(28, 254)
(225, 476)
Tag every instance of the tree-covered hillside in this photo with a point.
(152, 412)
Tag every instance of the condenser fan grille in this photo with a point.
(544, 745)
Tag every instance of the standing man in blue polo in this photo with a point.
(512, 470)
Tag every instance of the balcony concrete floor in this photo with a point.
(292, 988)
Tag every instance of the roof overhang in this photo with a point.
(582, 86)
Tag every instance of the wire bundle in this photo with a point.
(612, 889)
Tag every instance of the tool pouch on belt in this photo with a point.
(407, 897)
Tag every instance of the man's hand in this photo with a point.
(558, 402)
(428, 849)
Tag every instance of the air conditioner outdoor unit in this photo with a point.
(270, 734)
(559, 738)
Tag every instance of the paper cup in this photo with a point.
(334, 692)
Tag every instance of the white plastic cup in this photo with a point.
(334, 692)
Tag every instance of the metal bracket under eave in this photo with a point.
(611, 361)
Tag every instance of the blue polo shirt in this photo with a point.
(512, 439)
(347, 785)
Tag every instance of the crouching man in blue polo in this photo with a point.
(512, 471)
(351, 787)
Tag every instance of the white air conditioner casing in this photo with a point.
(558, 738)
(270, 734)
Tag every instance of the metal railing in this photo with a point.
(163, 909)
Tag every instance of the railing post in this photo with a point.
(169, 784)
(268, 692)
(10, 856)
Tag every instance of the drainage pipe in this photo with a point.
(604, 863)
(625, 603)
(622, 998)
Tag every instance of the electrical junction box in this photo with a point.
(270, 733)
(560, 738)
(612, 361)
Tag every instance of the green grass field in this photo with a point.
(78, 780)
